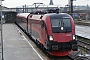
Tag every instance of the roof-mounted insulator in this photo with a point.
(41, 17)
(53, 10)
(57, 10)
(31, 16)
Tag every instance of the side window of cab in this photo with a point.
(43, 24)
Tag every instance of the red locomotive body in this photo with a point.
(55, 32)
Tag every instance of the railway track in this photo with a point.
(83, 40)
(84, 43)
(84, 46)
(79, 55)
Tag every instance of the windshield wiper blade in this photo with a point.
(59, 24)
(66, 30)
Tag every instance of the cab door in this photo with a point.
(43, 31)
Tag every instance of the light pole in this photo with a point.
(71, 6)
(1, 32)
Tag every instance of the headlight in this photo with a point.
(74, 37)
(50, 38)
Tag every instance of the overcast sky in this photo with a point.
(17, 3)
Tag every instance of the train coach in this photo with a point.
(55, 32)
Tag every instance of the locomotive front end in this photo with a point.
(61, 35)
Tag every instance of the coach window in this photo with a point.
(43, 24)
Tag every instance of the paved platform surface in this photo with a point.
(83, 31)
(16, 47)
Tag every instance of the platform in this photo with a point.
(17, 47)
(83, 31)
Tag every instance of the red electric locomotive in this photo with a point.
(53, 31)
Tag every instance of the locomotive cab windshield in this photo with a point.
(60, 24)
